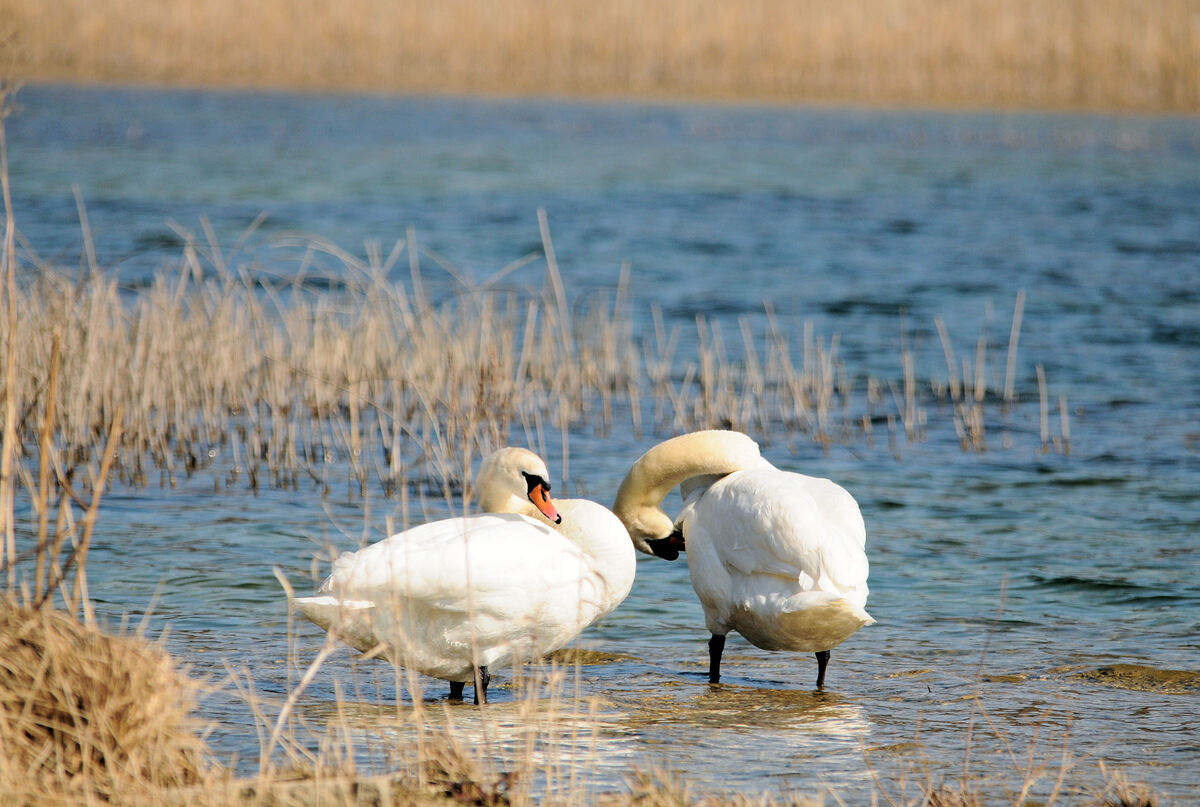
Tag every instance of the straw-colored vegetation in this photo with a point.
(82, 712)
(212, 369)
(1116, 54)
(348, 376)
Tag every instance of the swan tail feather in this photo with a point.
(349, 620)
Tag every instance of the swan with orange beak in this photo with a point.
(457, 597)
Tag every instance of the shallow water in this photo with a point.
(1010, 574)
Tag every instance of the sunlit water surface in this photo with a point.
(999, 574)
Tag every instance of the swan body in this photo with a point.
(453, 597)
(777, 556)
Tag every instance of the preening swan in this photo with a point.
(774, 555)
(454, 597)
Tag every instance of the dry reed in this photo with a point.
(355, 379)
(1115, 54)
(1118, 791)
(82, 712)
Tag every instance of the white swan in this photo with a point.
(774, 555)
(454, 597)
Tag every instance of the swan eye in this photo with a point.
(539, 494)
(534, 481)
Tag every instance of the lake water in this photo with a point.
(1009, 573)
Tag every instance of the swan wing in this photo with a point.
(458, 563)
(783, 524)
(448, 595)
(604, 540)
(452, 594)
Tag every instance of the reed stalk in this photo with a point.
(79, 595)
(44, 468)
(8, 265)
(1043, 408)
(1014, 337)
(1064, 424)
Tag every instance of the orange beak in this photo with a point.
(541, 500)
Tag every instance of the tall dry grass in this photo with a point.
(257, 383)
(1113, 54)
(355, 378)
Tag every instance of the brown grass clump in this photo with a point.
(1120, 792)
(1143, 678)
(452, 774)
(946, 796)
(85, 714)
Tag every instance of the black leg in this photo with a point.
(822, 663)
(482, 679)
(456, 690)
(716, 646)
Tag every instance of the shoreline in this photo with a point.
(1110, 56)
(615, 99)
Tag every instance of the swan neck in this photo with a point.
(655, 473)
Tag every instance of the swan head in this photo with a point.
(515, 480)
(704, 456)
(649, 527)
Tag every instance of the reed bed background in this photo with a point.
(1110, 54)
(354, 377)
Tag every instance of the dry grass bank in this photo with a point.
(83, 713)
(91, 718)
(1110, 54)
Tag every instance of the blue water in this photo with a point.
(999, 573)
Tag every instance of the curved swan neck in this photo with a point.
(670, 463)
(510, 503)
